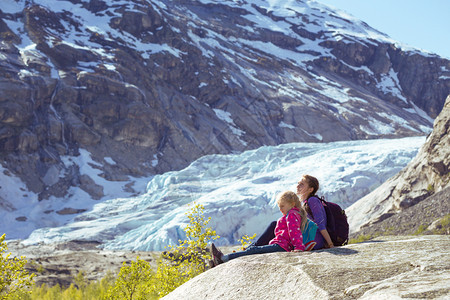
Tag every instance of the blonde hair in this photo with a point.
(292, 198)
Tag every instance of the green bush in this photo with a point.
(189, 258)
(133, 282)
(82, 289)
(444, 225)
(14, 279)
(175, 267)
(445, 221)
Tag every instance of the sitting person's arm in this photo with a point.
(320, 218)
(327, 238)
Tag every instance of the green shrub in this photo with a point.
(82, 289)
(14, 279)
(133, 282)
(388, 230)
(188, 259)
(445, 221)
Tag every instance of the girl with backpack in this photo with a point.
(306, 190)
(287, 234)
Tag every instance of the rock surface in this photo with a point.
(429, 216)
(386, 268)
(427, 174)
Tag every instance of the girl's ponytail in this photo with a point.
(303, 215)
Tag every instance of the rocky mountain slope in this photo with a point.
(427, 174)
(149, 86)
(429, 216)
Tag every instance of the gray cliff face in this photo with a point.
(425, 176)
(173, 81)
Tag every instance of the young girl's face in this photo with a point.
(285, 207)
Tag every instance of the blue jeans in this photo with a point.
(254, 250)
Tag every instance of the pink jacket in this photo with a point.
(288, 233)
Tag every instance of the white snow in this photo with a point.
(423, 114)
(17, 202)
(377, 127)
(226, 117)
(389, 84)
(110, 161)
(11, 7)
(285, 125)
(155, 160)
(237, 190)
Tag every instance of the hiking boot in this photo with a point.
(216, 254)
(211, 263)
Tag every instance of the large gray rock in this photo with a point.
(429, 216)
(386, 268)
(425, 175)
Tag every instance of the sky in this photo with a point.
(417, 23)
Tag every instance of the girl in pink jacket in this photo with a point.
(288, 232)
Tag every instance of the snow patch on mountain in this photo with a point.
(27, 213)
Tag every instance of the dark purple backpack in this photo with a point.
(337, 224)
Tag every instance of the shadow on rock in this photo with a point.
(339, 251)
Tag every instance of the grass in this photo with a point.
(443, 227)
(361, 238)
(420, 230)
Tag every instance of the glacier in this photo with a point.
(237, 191)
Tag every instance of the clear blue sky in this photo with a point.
(423, 24)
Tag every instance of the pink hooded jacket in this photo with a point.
(288, 234)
